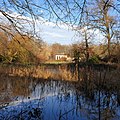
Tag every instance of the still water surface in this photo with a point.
(34, 99)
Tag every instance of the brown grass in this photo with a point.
(59, 73)
(87, 76)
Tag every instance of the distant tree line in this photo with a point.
(79, 15)
(19, 48)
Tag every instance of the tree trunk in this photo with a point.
(109, 40)
(108, 36)
(87, 47)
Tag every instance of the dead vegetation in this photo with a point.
(59, 73)
(92, 83)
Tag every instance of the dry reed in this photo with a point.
(59, 73)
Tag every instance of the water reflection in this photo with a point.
(30, 98)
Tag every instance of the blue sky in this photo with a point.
(47, 30)
(59, 35)
(68, 11)
(51, 33)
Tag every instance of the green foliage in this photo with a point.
(94, 59)
(76, 54)
(20, 49)
(2, 58)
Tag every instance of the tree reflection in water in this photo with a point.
(30, 98)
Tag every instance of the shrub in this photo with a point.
(94, 59)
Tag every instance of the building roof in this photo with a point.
(60, 54)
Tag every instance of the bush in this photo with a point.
(111, 58)
(93, 60)
(1, 59)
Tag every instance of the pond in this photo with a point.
(36, 99)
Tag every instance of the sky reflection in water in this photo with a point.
(53, 100)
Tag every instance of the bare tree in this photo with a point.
(70, 12)
(104, 20)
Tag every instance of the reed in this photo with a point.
(92, 82)
(60, 73)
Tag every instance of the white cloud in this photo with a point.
(49, 31)
(53, 34)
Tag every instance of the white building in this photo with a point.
(60, 56)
